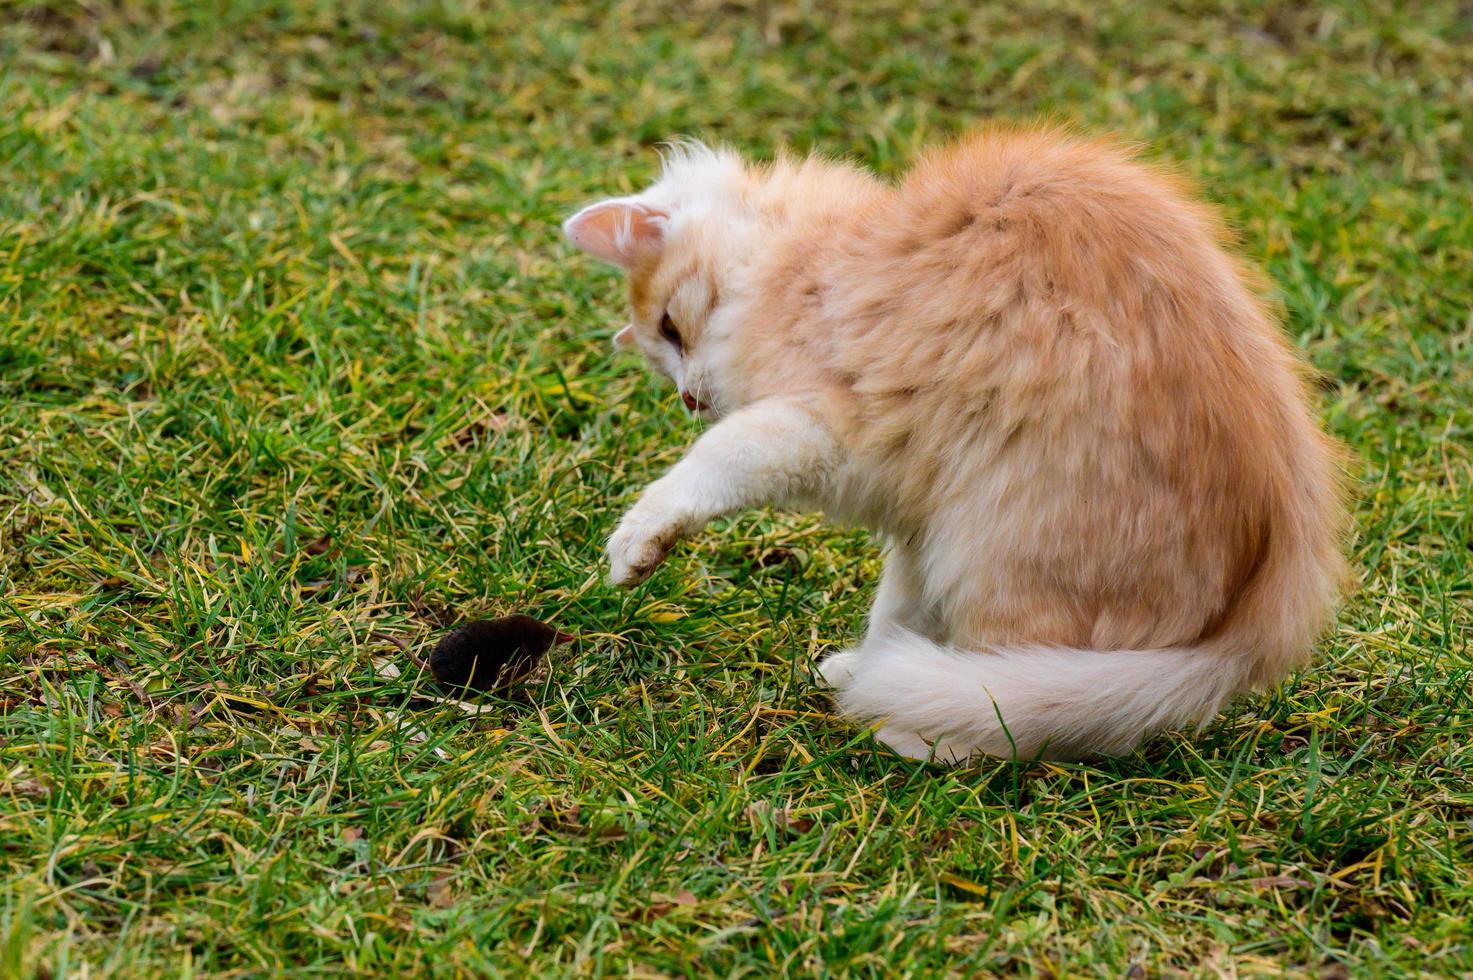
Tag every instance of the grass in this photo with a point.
(295, 372)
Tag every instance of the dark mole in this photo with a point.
(492, 653)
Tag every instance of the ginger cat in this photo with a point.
(1033, 370)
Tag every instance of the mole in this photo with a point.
(491, 654)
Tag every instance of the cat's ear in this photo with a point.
(620, 231)
(624, 339)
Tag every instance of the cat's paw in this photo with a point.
(637, 547)
(838, 668)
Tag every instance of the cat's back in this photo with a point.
(1030, 259)
(1038, 216)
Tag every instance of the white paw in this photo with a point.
(837, 669)
(637, 547)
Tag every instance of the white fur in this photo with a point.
(770, 452)
(695, 180)
(1026, 703)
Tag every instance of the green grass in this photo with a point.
(295, 372)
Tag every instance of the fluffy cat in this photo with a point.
(1033, 370)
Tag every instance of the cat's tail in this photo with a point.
(1025, 703)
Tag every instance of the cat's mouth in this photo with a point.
(693, 403)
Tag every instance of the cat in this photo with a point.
(1035, 371)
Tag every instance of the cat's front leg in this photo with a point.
(771, 452)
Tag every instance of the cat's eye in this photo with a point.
(668, 331)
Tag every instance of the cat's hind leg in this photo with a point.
(842, 671)
(899, 602)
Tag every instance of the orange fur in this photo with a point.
(1054, 389)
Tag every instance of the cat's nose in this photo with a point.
(690, 400)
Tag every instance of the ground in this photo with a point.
(295, 372)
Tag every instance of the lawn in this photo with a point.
(296, 372)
